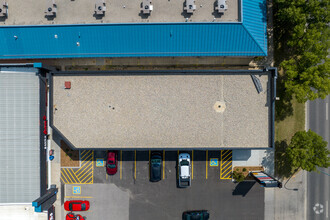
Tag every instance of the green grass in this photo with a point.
(284, 131)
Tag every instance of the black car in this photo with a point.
(196, 215)
(155, 166)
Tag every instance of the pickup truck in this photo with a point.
(184, 170)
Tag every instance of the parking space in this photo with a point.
(211, 189)
(133, 166)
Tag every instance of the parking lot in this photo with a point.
(211, 188)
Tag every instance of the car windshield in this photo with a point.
(155, 161)
(70, 206)
(111, 165)
(184, 163)
(83, 206)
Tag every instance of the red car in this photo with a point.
(112, 163)
(71, 216)
(76, 205)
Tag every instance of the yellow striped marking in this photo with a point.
(72, 176)
(87, 174)
(83, 153)
(69, 177)
(121, 164)
(62, 174)
(82, 171)
(163, 164)
(226, 164)
(207, 162)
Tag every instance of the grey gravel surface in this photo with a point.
(164, 111)
(32, 12)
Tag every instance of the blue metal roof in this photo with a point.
(246, 38)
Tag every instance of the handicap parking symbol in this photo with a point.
(99, 162)
(76, 190)
(214, 162)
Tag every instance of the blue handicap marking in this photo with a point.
(76, 190)
(99, 162)
(214, 162)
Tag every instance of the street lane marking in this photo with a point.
(135, 164)
(207, 163)
(327, 207)
(192, 164)
(163, 164)
(121, 163)
(71, 197)
(326, 111)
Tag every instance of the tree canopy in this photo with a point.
(301, 33)
(308, 151)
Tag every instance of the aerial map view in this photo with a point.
(164, 109)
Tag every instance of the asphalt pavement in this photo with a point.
(318, 193)
(163, 200)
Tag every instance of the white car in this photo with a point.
(184, 170)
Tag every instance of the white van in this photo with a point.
(184, 169)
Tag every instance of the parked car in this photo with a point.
(184, 170)
(76, 205)
(72, 216)
(196, 215)
(155, 166)
(112, 162)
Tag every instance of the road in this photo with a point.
(318, 194)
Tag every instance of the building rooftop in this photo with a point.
(246, 37)
(32, 12)
(182, 110)
(19, 135)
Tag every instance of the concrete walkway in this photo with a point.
(290, 200)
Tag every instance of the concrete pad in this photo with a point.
(105, 200)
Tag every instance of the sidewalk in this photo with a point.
(56, 179)
(290, 200)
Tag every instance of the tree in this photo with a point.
(301, 34)
(308, 151)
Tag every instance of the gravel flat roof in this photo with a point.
(162, 111)
(32, 12)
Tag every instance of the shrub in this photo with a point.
(238, 176)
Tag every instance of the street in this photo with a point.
(318, 183)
